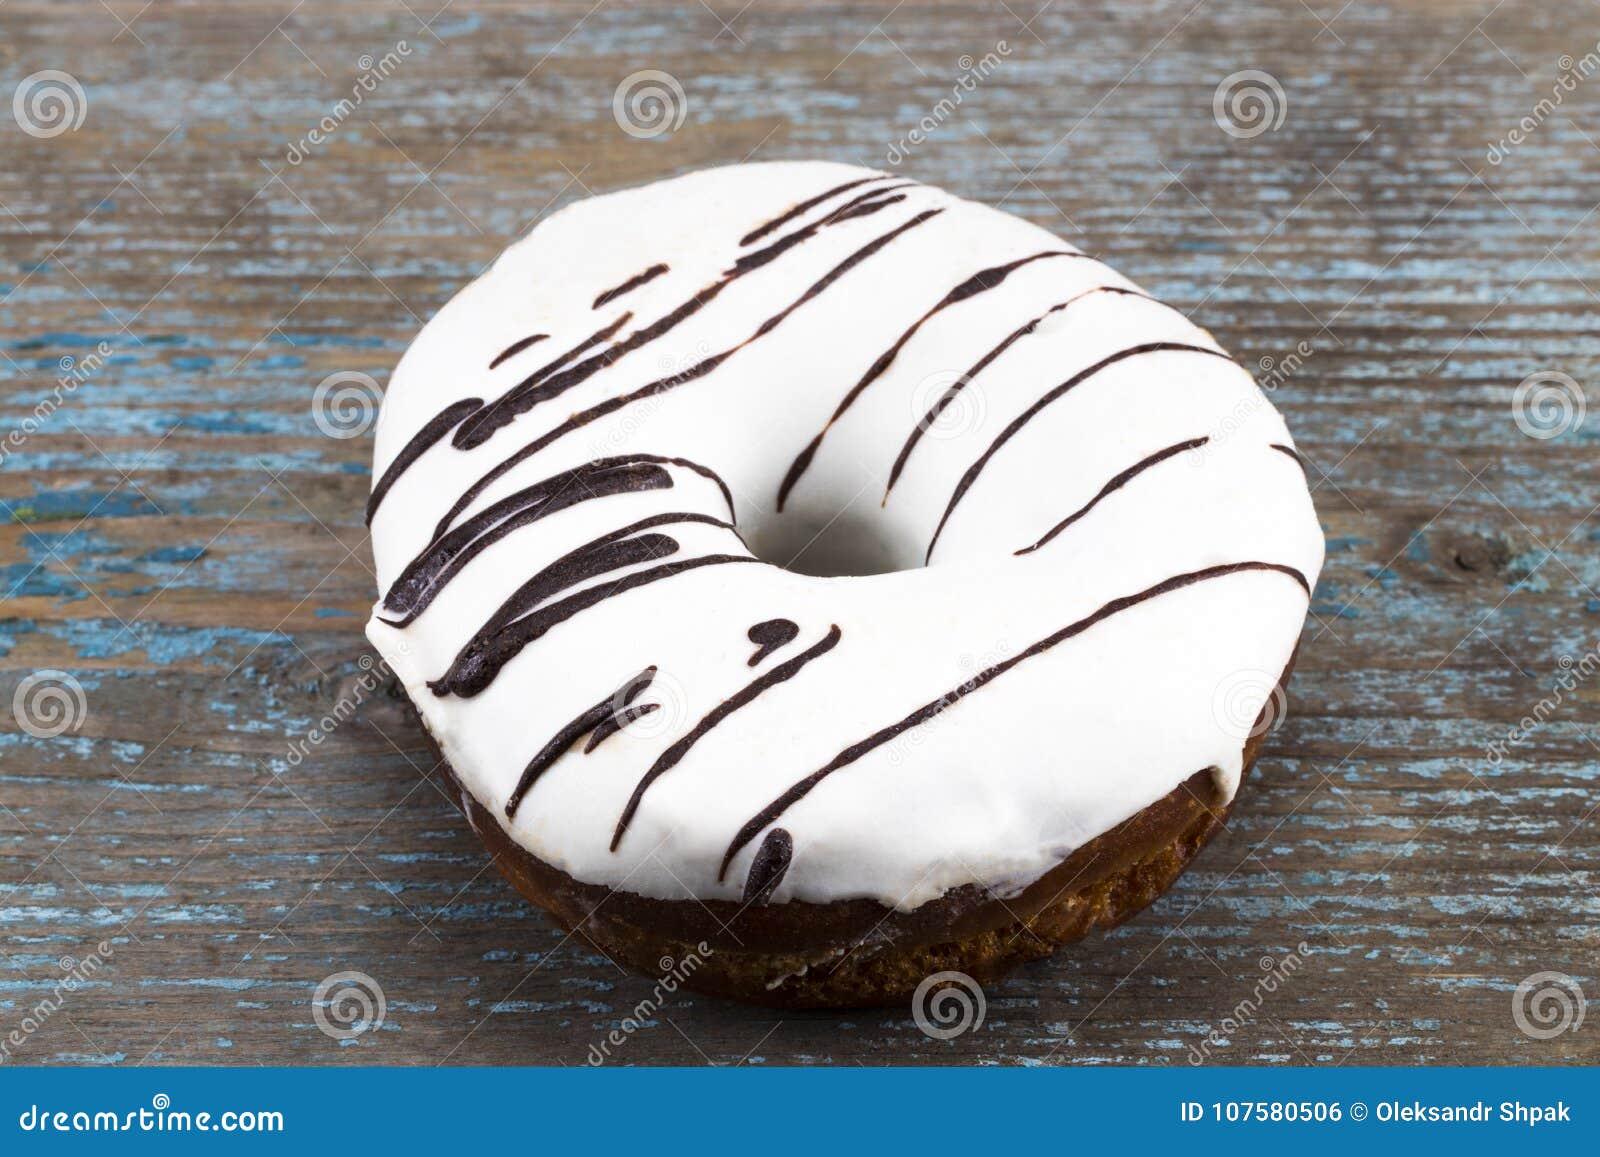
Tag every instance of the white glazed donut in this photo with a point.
(1077, 542)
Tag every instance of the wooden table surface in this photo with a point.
(185, 572)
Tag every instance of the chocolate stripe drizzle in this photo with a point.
(445, 421)
(579, 476)
(563, 740)
(867, 204)
(982, 364)
(683, 377)
(586, 562)
(497, 413)
(742, 698)
(770, 865)
(443, 558)
(516, 348)
(861, 205)
(542, 387)
(616, 723)
(980, 282)
(784, 218)
(983, 678)
(476, 666)
(769, 636)
(630, 285)
(611, 551)
(447, 553)
(1117, 482)
(1027, 415)
(1292, 453)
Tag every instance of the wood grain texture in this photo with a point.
(182, 540)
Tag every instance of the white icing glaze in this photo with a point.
(1008, 779)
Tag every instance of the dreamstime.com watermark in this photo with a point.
(345, 404)
(73, 373)
(947, 405)
(1249, 103)
(908, 742)
(160, 1117)
(676, 369)
(948, 1004)
(374, 675)
(1573, 72)
(1275, 973)
(1548, 404)
(374, 71)
(974, 71)
(74, 975)
(1573, 673)
(49, 103)
(1274, 372)
(674, 971)
(1547, 1004)
(348, 1004)
(1249, 703)
(649, 104)
(49, 703)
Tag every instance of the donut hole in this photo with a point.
(851, 543)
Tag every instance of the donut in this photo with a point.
(812, 577)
